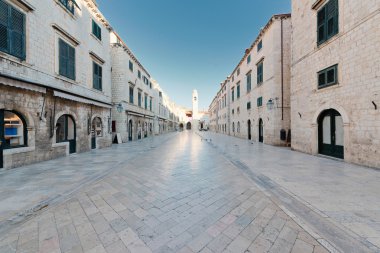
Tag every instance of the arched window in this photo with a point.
(238, 127)
(15, 132)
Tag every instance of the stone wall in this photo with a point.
(356, 51)
(38, 110)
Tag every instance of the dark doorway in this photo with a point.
(2, 141)
(96, 131)
(331, 134)
(181, 127)
(66, 132)
(130, 130)
(261, 131)
(188, 126)
(145, 130)
(249, 130)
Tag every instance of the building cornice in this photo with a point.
(259, 37)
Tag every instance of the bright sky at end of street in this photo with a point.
(188, 45)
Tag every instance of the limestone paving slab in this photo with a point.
(185, 198)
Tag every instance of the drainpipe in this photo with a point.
(282, 70)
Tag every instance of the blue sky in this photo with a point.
(190, 44)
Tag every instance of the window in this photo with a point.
(12, 31)
(249, 82)
(259, 101)
(68, 4)
(238, 127)
(130, 94)
(328, 76)
(248, 59)
(233, 111)
(66, 60)
(233, 127)
(96, 30)
(260, 72)
(150, 104)
(238, 71)
(139, 74)
(249, 106)
(328, 21)
(233, 94)
(131, 66)
(233, 77)
(150, 85)
(160, 94)
(259, 46)
(97, 76)
(238, 110)
(139, 99)
(238, 90)
(146, 102)
(15, 133)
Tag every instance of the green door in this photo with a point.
(330, 134)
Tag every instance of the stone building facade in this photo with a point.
(141, 109)
(55, 80)
(335, 93)
(254, 101)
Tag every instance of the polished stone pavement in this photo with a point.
(183, 192)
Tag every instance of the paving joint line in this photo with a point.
(275, 190)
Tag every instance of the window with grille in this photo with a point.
(12, 31)
(97, 76)
(328, 76)
(259, 101)
(68, 4)
(328, 21)
(96, 30)
(259, 46)
(248, 82)
(260, 72)
(66, 60)
(131, 66)
(131, 95)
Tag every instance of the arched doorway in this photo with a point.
(13, 131)
(181, 127)
(66, 131)
(261, 131)
(130, 130)
(139, 131)
(188, 126)
(331, 134)
(249, 130)
(96, 131)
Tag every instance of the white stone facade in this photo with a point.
(32, 86)
(136, 117)
(355, 96)
(236, 111)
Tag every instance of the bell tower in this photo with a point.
(195, 104)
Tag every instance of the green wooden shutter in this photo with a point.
(17, 33)
(4, 34)
(100, 78)
(62, 58)
(321, 33)
(71, 62)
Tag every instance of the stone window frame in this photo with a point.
(325, 72)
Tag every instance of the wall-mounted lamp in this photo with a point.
(272, 103)
(119, 107)
(374, 104)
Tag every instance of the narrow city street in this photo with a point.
(190, 192)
